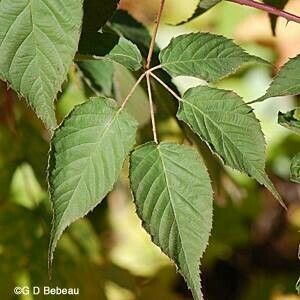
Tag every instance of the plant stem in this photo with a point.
(151, 107)
(132, 90)
(166, 87)
(152, 44)
(270, 9)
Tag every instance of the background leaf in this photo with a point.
(222, 119)
(204, 55)
(290, 120)
(273, 18)
(174, 200)
(99, 73)
(87, 154)
(295, 169)
(38, 41)
(96, 14)
(202, 7)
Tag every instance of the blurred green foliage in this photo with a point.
(254, 243)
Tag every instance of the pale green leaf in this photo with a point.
(286, 82)
(87, 153)
(173, 196)
(295, 169)
(290, 120)
(110, 46)
(38, 40)
(204, 55)
(127, 54)
(229, 126)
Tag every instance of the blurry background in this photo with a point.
(254, 244)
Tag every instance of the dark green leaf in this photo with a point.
(223, 120)
(173, 196)
(278, 4)
(207, 56)
(202, 7)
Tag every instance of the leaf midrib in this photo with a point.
(88, 156)
(219, 128)
(172, 205)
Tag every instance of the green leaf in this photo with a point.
(290, 120)
(87, 153)
(295, 169)
(207, 56)
(109, 46)
(99, 73)
(127, 54)
(223, 120)
(286, 82)
(202, 7)
(131, 29)
(173, 196)
(38, 40)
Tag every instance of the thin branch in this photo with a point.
(166, 87)
(132, 90)
(151, 108)
(152, 44)
(268, 8)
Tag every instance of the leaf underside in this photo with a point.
(38, 40)
(229, 126)
(204, 55)
(87, 153)
(173, 196)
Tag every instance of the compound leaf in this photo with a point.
(38, 40)
(286, 82)
(207, 56)
(173, 196)
(223, 120)
(87, 154)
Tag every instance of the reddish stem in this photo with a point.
(270, 9)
